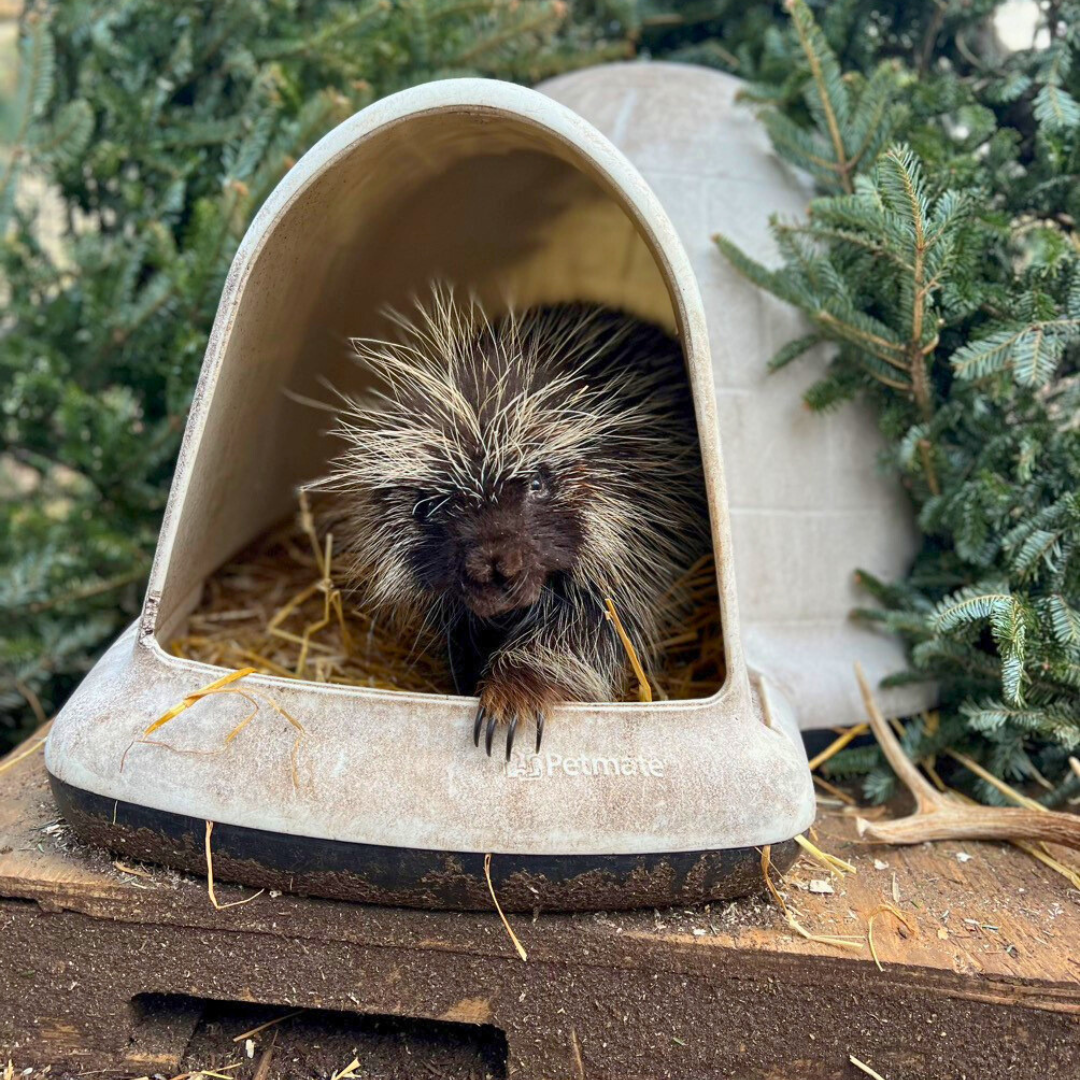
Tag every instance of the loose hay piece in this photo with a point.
(880, 910)
(575, 1045)
(136, 871)
(853, 944)
(348, 1072)
(837, 745)
(22, 755)
(830, 862)
(862, 1066)
(835, 792)
(198, 695)
(1037, 851)
(210, 878)
(498, 907)
(222, 686)
(245, 1035)
(644, 689)
(279, 609)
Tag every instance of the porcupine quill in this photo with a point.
(511, 474)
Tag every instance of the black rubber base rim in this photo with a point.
(374, 873)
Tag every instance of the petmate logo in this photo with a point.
(535, 767)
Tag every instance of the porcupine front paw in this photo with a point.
(509, 695)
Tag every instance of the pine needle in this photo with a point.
(210, 878)
(498, 907)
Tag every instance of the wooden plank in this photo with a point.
(37, 857)
(981, 910)
(990, 930)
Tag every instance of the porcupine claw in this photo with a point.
(540, 717)
(478, 725)
(510, 737)
(492, 724)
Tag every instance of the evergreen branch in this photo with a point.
(1056, 109)
(801, 146)
(1034, 349)
(872, 246)
(821, 60)
(87, 592)
(890, 352)
(548, 15)
(970, 606)
(33, 90)
(755, 271)
(793, 350)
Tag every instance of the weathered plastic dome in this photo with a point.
(501, 190)
(807, 501)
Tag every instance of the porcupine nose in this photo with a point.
(508, 563)
(497, 562)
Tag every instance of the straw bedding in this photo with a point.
(279, 608)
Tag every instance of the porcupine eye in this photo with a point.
(424, 506)
(538, 484)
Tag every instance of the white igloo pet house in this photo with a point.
(503, 191)
(806, 498)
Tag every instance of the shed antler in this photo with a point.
(939, 817)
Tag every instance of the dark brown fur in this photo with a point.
(513, 476)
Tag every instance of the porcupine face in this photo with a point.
(469, 482)
(495, 549)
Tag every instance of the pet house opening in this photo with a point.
(501, 212)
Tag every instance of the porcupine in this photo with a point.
(513, 474)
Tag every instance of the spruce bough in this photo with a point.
(942, 262)
(140, 140)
